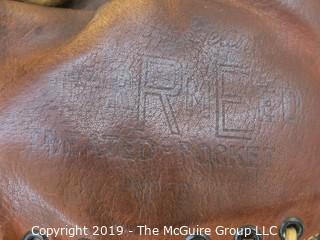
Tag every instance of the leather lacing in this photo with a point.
(315, 237)
(291, 229)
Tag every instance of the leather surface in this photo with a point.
(159, 112)
(46, 2)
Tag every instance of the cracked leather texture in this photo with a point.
(159, 112)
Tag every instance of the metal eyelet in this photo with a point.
(30, 236)
(291, 222)
(197, 237)
(254, 233)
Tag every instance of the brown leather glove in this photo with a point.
(159, 112)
